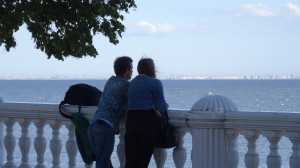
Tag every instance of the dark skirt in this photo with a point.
(142, 130)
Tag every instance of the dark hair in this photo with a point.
(146, 67)
(121, 65)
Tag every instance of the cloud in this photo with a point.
(256, 10)
(294, 8)
(158, 28)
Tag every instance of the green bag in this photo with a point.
(81, 95)
(82, 139)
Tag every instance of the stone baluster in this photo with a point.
(24, 143)
(88, 166)
(179, 152)
(295, 157)
(55, 144)
(40, 143)
(121, 145)
(273, 159)
(71, 146)
(160, 156)
(232, 148)
(9, 143)
(251, 157)
(1, 139)
(1, 143)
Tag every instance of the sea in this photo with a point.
(248, 95)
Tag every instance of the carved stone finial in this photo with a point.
(216, 103)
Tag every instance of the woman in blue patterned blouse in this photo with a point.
(111, 108)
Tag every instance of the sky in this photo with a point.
(191, 38)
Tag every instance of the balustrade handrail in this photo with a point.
(286, 120)
(263, 120)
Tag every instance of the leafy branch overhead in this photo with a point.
(63, 28)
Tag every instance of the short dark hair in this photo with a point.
(122, 64)
(146, 66)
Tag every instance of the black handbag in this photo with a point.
(167, 135)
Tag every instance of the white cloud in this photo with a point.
(257, 10)
(294, 8)
(158, 28)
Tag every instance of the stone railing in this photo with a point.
(214, 123)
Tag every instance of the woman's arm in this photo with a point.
(160, 101)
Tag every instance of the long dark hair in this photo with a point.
(146, 67)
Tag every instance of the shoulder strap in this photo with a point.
(63, 114)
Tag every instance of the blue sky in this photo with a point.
(191, 38)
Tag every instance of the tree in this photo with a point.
(63, 28)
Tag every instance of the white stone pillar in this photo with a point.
(1, 143)
(179, 152)
(55, 144)
(121, 145)
(251, 157)
(24, 143)
(71, 146)
(206, 121)
(40, 143)
(1, 139)
(273, 159)
(160, 156)
(232, 155)
(295, 157)
(10, 143)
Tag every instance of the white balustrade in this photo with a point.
(251, 157)
(232, 155)
(179, 152)
(24, 143)
(295, 158)
(1, 144)
(121, 145)
(9, 143)
(273, 159)
(160, 156)
(55, 144)
(71, 146)
(40, 143)
(213, 122)
(1, 139)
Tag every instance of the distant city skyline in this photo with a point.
(192, 39)
(167, 77)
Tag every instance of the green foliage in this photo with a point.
(63, 28)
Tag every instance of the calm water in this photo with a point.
(254, 95)
(248, 95)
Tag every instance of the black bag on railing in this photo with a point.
(167, 134)
(81, 95)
